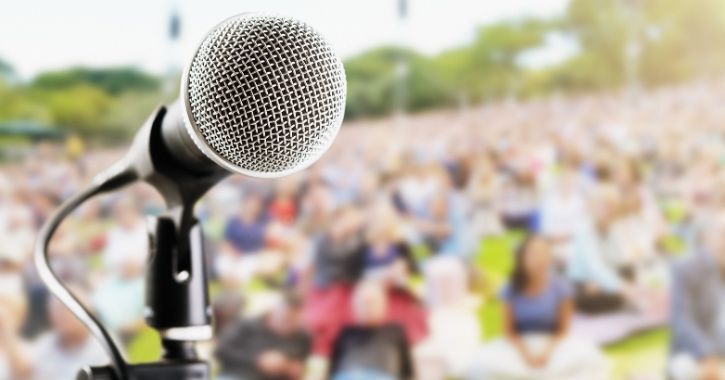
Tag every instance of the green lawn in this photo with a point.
(642, 356)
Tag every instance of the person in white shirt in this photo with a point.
(67, 348)
(127, 243)
(14, 357)
(119, 296)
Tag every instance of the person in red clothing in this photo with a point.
(283, 207)
(338, 265)
(371, 347)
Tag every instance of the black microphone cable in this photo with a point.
(107, 181)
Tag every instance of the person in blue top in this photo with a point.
(697, 321)
(538, 307)
(245, 232)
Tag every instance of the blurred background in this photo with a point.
(521, 189)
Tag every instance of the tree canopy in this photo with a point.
(617, 43)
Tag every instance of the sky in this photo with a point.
(37, 36)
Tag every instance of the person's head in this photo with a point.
(370, 184)
(446, 281)
(439, 207)
(251, 207)
(713, 236)
(13, 309)
(347, 220)
(68, 328)
(286, 188)
(383, 224)
(605, 206)
(533, 263)
(127, 213)
(568, 181)
(627, 173)
(227, 307)
(318, 199)
(370, 303)
(286, 317)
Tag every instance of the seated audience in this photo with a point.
(697, 308)
(227, 308)
(14, 352)
(119, 296)
(283, 207)
(126, 247)
(371, 349)
(452, 319)
(563, 207)
(273, 347)
(245, 232)
(444, 227)
(386, 255)
(603, 280)
(517, 202)
(241, 253)
(537, 314)
(67, 348)
(338, 255)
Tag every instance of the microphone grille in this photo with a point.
(265, 95)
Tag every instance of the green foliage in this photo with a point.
(128, 111)
(80, 108)
(620, 42)
(488, 68)
(113, 81)
(19, 103)
(380, 80)
(92, 102)
(652, 42)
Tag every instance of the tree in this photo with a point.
(81, 108)
(373, 80)
(114, 81)
(489, 68)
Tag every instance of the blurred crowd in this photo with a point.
(377, 262)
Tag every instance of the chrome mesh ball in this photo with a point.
(265, 95)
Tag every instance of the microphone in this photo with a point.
(262, 96)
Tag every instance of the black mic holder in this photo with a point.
(177, 304)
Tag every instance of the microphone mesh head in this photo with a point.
(265, 95)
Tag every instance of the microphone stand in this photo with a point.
(177, 297)
(177, 304)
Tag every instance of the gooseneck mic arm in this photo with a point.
(56, 287)
(176, 282)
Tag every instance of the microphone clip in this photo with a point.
(177, 302)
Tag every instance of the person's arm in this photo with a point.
(588, 266)
(687, 335)
(566, 310)
(18, 360)
(513, 336)
(227, 244)
(406, 254)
